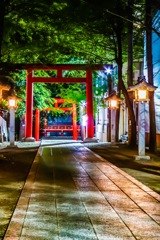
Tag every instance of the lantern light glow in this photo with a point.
(113, 103)
(142, 94)
(113, 100)
(12, 102)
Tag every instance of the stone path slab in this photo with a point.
(72, 193)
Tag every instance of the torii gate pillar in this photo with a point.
(37, 124)
(29, 106)
(89, 105)
(74, 122)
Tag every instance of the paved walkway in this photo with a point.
(72, 193)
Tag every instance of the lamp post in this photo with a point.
(12, 104)
(141, 90)
(113, 104)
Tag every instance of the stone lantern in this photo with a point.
(113, 104)
(141, 96)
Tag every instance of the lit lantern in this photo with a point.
(113, 104)
(141, 90)
(113, 100)
(142, 94)
(12, 102)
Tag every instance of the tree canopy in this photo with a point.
(50, 32)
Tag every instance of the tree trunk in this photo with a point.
(110, 88)
(152, 139)
(121, 86)
(130, 43)
(2, 12)
(120, 65)
(131, 124)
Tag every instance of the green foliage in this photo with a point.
(3, 104)
(74, 93)
(41, 94)
(32, 33)
(64, 32)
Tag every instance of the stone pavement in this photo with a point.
(5, 145)
(72, 193)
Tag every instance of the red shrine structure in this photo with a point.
(62, 129)
(59, 78)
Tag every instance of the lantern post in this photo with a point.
(12, 104)
(141, 96)
(113, 104)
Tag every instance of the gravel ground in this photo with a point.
(14, 169)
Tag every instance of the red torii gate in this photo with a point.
(74, 118)
(59, 78)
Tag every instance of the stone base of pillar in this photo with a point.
(11, 146)
(99, 136)
(90, 140)
(29, 139)
(142, 157)
(102, 136)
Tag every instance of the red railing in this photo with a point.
(60, 128)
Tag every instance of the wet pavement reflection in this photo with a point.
(72, 193)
